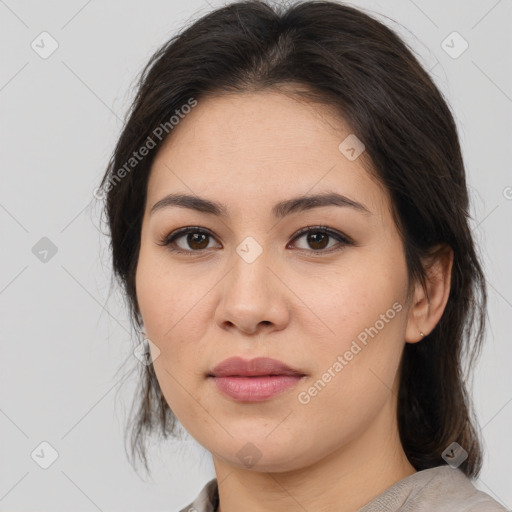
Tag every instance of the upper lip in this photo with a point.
(237, 366)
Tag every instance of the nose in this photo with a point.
(253, 298)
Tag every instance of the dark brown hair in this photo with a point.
(338, 56)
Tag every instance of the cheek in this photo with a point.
(151, 297)
(175, 311)
(162, 293)
(348, 303)
(355, 368)
(363, 320)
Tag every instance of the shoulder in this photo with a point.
(443, 489)
(207, 500)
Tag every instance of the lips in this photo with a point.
(260, 366)
(254, 380)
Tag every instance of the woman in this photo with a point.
(289, 219)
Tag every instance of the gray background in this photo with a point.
(66, 365)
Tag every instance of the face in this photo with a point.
(331, 302)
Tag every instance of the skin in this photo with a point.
(250, 151)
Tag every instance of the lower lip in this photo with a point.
(255, 389)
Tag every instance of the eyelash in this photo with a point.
(342, 239)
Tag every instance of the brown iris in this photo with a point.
(197, 238)
(317, 240)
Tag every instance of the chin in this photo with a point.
(260, 451)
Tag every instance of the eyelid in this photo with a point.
(326, 229)
(171, 237)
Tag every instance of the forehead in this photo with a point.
(260, 144)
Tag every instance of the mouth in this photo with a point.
(255, 388)
(258, 367)
(254, 380)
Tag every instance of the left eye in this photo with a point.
(318, 238)
(197, 239)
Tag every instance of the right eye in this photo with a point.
(194, 237)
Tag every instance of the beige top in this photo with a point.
(439, 489)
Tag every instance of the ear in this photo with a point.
(428, 305)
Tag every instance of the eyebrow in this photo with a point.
(280, 210)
